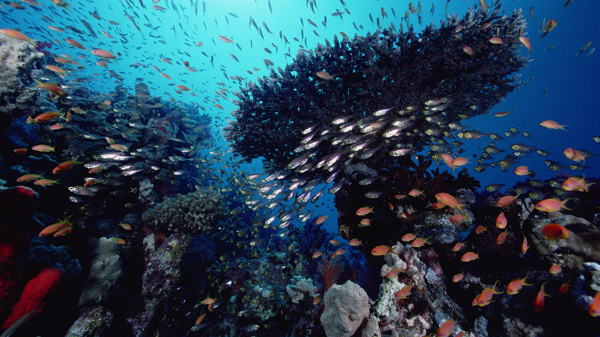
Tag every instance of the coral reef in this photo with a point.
(17, 59)
(104, 273)
(299, 287)
(346, 309)
(195, 212)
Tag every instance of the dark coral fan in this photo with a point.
(397, 69)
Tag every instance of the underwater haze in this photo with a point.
(299, 168)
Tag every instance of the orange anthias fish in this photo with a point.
(524, 245)
(547, 27)
(506, 201)
(469, 256)
(364, 211)
(208, 301)
(321, 219)
(555, 231)
(594, 308)
(62, 167)
(408, 237)
(576, 184)
(449, 201)
(52, 88)
(525, 41)
(551, 205)
(515, 285)
(486, 295)
(446, 328)
(380, 250)
(17, 35)
(355, 242)
(419, 242)
(501, 238)
(403, 293)
(60, 228)
(501, 221)
(574, 155)
(539, 299)
(324, 75)
(549, 124)
(103, 54)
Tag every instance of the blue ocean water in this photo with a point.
(220, 41)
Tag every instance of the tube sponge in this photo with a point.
(346, 308)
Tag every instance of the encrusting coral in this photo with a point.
(194, 212)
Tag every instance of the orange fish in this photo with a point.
(324, 75)
(501, 238)
(564, 288)
(515, 285)
(574, 155)
(458, 218)
(486, 295)
(20, 150)
(338, 253)
(449, 201)
(60, 71)
(524, 245)
(355, 242)
(17, 35)
(118, 241)
(594, 308)
(576, 184)
(501, 221)
(539, 299)
(549, 124)
(525, 41)
(446, 328)
(103, 54)
(458, 246)
(522, 170)
(75, 44)
(321, 219)
(551, 205)
(43, 148)
(380, 250)
(458, 277)
(403, 293)
(555, 232)
(408, 237)
(209, 301)
(28, 177)
(555, 269)
(364, 211)
(419, 242)
(548, 27)
(45, 182)
(52, 88)
(200, 319)
(47, 116)
(469, 256)
(506, 201)
(480, 229)
(62, 167)
(316, 255)
(468, 50)
(496, 40)
(58, 229)
(334, 242)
